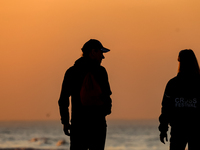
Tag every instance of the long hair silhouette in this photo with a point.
(188, 62)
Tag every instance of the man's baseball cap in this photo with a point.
(93, 44)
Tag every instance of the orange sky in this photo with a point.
(40, 39)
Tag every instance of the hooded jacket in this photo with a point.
(71, 86)
(180, 105)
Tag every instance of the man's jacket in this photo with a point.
(71, 86)
(180, 105)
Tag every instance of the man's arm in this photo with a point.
(63, 101)
(106, 93)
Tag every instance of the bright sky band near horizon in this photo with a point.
(41, 39)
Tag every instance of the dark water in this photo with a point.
(121, 135)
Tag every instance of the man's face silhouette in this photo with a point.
(97, 55)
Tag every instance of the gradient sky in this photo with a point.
(40, 39)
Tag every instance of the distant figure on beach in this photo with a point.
(87, 84)
(180, 105)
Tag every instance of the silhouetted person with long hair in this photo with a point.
(87, 84)
(180, 105)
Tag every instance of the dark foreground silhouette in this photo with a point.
(180, 105)
(87, 84)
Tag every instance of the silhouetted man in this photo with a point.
(88, 123)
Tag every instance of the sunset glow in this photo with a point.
(41, 39)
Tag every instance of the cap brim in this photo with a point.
(104, 50)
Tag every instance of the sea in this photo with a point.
(48, 135)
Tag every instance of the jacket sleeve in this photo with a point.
(63, 101)
(106, 93)
(164, 118)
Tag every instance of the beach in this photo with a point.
(48, 135)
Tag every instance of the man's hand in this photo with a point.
(163, 136)
(66, 129)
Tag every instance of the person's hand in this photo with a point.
(163, 136)
(66, 129)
